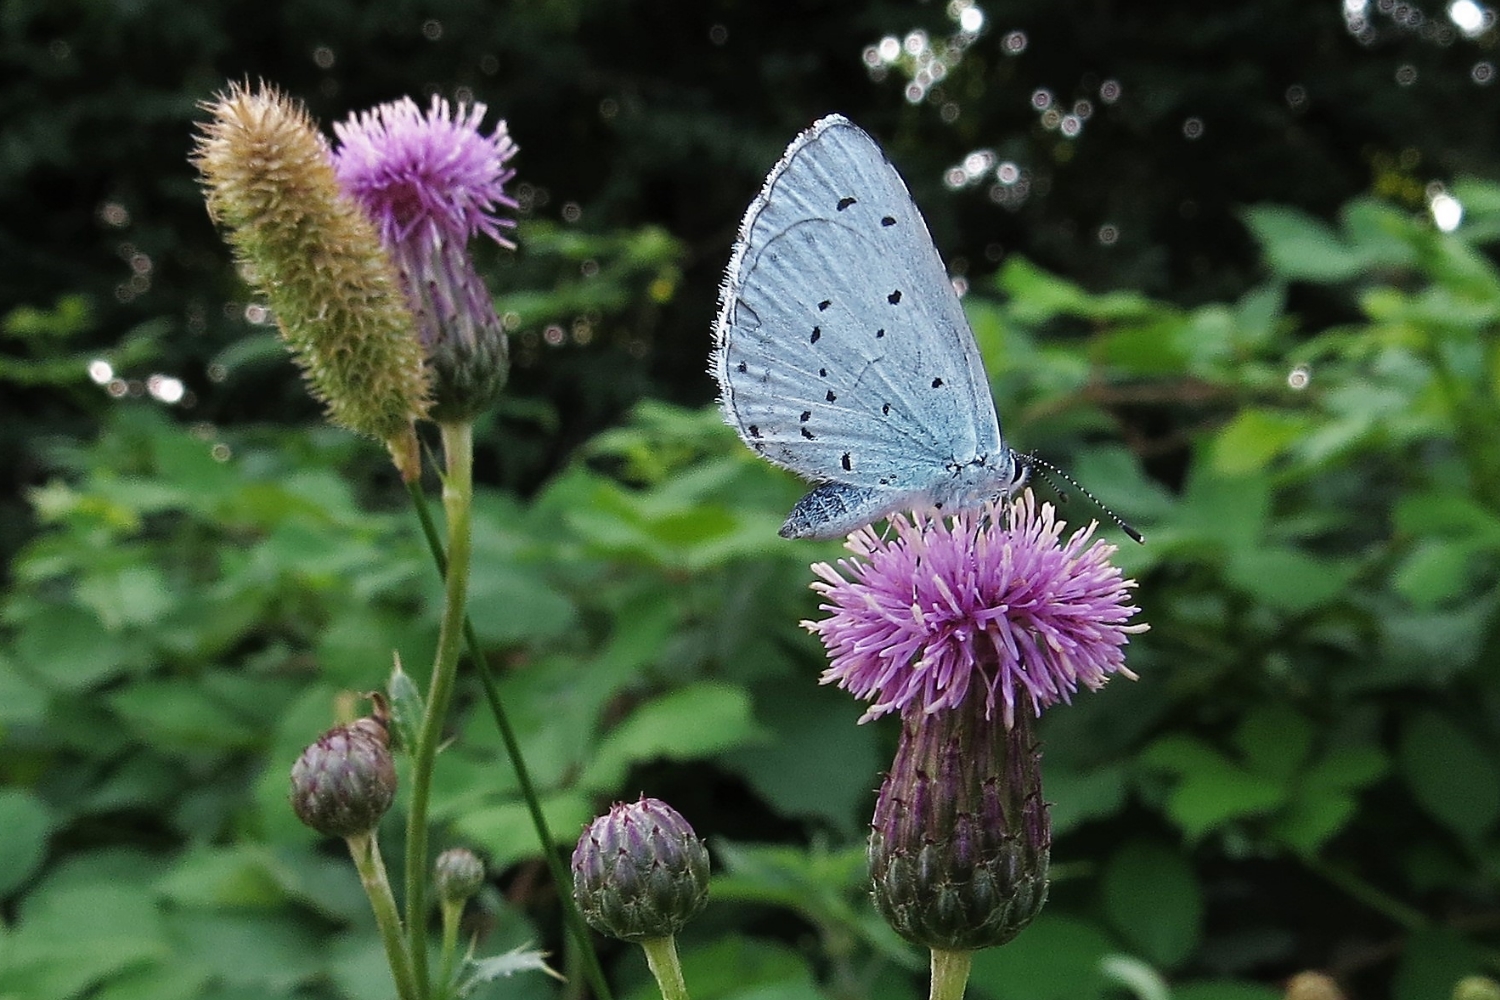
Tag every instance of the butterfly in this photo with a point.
(842, 352)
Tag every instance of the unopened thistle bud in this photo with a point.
(639, 872)
(458, 873)
(309, 249)
(345, 781)
(960, 841)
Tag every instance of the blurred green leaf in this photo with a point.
(1056, 958)
(1450, 775)
(1431, 963)
(25, 824)
(696, 721)
(1152, 898)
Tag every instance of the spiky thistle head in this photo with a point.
(990, 604)
(431, 182)
(317, 260)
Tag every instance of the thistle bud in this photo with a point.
(960, 842)
(343, 783)
(458, 873)
(639, 872)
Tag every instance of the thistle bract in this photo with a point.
(639, 871)
(960, 843)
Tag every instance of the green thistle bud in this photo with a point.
(318, 261)
(458, 873)
(345, 781)
(639, 872)
(960, 841)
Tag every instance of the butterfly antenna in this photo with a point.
(1041, 467)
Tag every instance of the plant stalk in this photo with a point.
(366, 853)
(458, 495)
(661, 956)
(579, 931)
(950, 974)
(452, 914)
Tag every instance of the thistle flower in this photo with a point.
(431, 183)
(989, 599)
(639, 871)
(345, 781)
(317, 260)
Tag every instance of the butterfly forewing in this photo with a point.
(842, 351)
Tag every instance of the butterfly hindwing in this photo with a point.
(842, 352)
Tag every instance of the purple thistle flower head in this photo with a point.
(430, 183)
(429, 177)
(991, 600)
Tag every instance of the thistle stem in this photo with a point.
(571, 918)
(365, 850)
(458, 494)
(661, 956)
(950, 974)
(452, 912)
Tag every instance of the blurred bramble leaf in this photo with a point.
(1211, 789)
(1432, 961)
(1055, 958)
(68, 648)
(1450, 775)
(696, 721)
(821, 765)
(25, 825)
(1153, 900)
(1253, 439)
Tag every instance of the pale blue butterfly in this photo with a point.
(842, 352)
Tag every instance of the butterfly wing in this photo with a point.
(842, 351)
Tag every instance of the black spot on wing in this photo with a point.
(887, 221)
(847, 464)
(845, 202)
(894, 298)
(937, 383)
(742, 368)
(822, 373)
(808, 434)
(832, 396)
(816, 334)
(880, 333)
(806, 415)
(824, 304)
(754, 431)
(885, 409)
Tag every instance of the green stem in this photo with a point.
(458, 495)
(1399, 913)
(661, 956)
(571, 917)
(452, 912)
(366, 853)
(950, 974)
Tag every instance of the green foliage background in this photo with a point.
(1305, 776)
